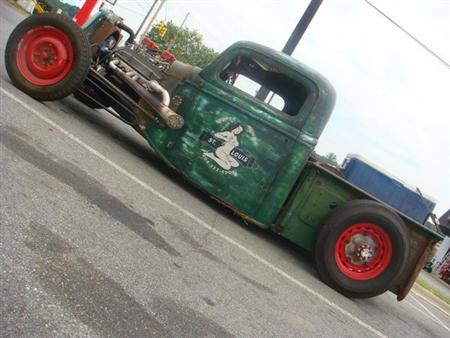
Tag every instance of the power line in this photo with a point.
(429, 50)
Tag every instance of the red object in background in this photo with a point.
(168, 56)
(84, 12)
(444, 269)
(149, 44)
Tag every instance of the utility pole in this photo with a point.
(301, 27)
(146, 17)
(295, 37)
(149, 26)
(176, 36)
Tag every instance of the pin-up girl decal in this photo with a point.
(222, 155)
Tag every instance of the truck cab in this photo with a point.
(245, 152)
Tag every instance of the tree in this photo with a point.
(188, 46)
(329, 158)
(53, 5)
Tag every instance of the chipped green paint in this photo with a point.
(312, 200)
(318, 192)
(238, 149)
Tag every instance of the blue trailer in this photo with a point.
(387, 188)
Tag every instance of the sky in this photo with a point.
(392, 104)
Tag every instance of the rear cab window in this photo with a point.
(254, 77)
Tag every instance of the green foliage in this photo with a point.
(188, 47)
(329, 158)
(70, 10)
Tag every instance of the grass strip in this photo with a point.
(433, 290)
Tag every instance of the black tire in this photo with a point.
(81, 57)
(353, 213)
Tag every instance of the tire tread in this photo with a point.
(81, 64)
(353, 210)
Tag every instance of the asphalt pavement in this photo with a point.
(99, 238)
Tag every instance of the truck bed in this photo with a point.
(321, 189)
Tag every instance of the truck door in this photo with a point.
(242, 151)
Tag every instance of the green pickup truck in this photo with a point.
(250, 155)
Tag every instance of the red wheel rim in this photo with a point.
(44, 56)
(363, 251)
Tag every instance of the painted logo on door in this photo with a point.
(224, 149)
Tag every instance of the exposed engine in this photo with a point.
(142, 71)
(135, 71)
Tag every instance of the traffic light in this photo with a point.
(162, 29)
(163, 32)
(159, 26)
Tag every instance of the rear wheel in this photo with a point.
(47, 56)
(361, 249)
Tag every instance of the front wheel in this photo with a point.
(362, 249)
(47, 56)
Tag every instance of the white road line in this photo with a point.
(430, 313)
(421, 311)
(192, 216)
(431, 302)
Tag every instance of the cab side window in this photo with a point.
(252, 76)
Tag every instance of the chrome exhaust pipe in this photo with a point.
(171, 119)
